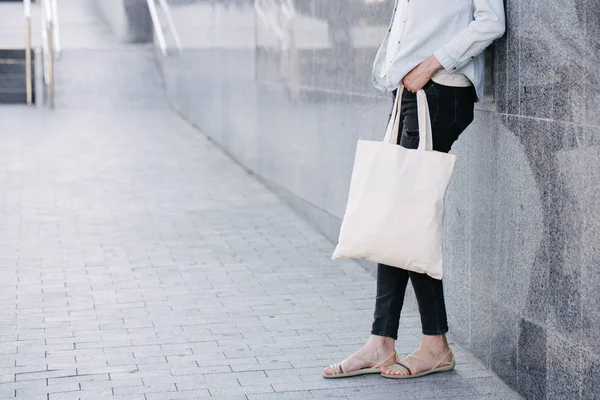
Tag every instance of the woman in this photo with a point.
(434, 45)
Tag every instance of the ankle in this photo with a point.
(381, 342)
(435, 344)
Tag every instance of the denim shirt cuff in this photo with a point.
(449, 63)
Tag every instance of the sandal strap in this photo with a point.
(418, 357)
(405, 367)
(338, 368)
(441, 361)
(436, 362)
(393, 355)
(376, 364)
(413, 354)
(363, 359)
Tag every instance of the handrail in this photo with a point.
(160, 35)
(28, 85)
(48, 49)
(56, 27)
(158, 28)
(167, 10)
(51, 47)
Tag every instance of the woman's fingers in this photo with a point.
(416, 79)
(414, 84)
(413, 88)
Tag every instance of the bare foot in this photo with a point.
(377, 349)
(420, 361)
(433, 349)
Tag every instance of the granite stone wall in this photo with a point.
(284, 86)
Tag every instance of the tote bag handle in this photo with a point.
(425, 135)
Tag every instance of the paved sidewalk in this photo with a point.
(139, 262)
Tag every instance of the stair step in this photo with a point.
(14, 54)
(13, 76)
(12, 81)
(16, 97)
(11, 68)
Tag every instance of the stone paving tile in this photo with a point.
(139, 262)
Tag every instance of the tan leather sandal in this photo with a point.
(373, 369)
(439, 366)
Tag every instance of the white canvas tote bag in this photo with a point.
(395, 209)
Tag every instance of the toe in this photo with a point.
(395, 371)
(387, 371)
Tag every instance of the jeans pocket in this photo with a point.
(434, 96)
(431, 89)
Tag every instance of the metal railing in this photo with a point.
(28, 85)
(51, 47)
(158, 27)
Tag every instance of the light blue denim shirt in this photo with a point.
(455, 31)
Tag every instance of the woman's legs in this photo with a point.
(391, 287)
(451, 111)
(430, 298)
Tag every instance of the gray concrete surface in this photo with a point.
(140, 262)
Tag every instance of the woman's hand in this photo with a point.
(421, 74)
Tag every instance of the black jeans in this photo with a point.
(451, 110)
